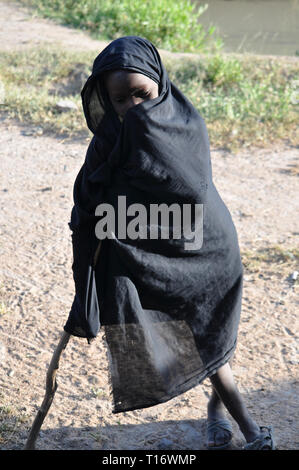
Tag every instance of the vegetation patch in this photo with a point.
(12, 421)
(244, 100)
(273, 257)
(171, 25)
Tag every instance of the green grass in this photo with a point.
(99, 393)
(12, 421)
(30, 79)
(173, 25)
(275, 257)
(245, 101)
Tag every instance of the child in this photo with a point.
(170, 310)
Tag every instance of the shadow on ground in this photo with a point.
(155, 435)
(278, 400)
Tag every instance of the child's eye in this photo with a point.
(143, 94)
(140, 94)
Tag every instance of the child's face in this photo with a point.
(126, 89)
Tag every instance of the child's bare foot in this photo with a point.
(265, 440)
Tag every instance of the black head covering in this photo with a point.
(170, 314)
(166, 130)
(131, 53)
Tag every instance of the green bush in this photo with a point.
(169, 24)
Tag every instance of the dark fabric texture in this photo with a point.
(170, 314)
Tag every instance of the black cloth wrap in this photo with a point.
(170, 315)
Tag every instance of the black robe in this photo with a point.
(170, 313)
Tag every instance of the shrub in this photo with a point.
(169, 24)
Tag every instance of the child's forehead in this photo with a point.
(120, 78)
(123, 75)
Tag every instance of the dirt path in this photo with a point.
(37, 175)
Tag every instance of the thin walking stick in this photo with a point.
(51, 387)
(51, 384)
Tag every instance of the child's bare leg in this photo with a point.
(216, 408)
(216, 411)
(226, 389)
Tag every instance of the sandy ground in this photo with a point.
(37, 176)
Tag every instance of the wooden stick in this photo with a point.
(51, 384)
(51, 387)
